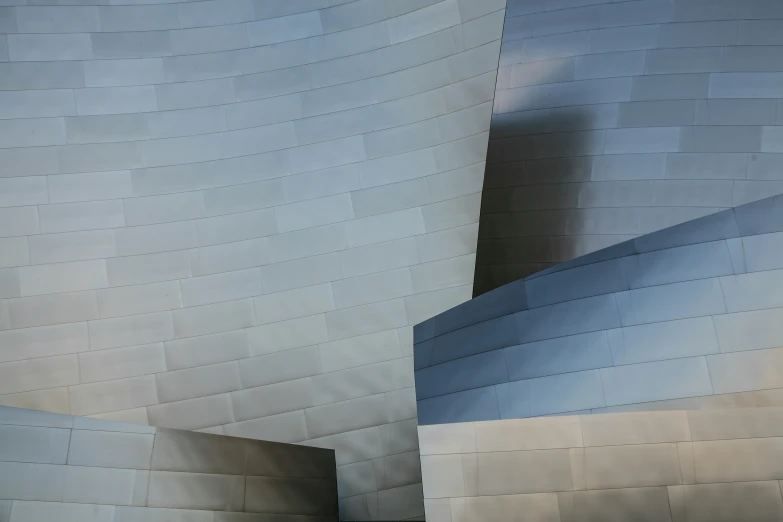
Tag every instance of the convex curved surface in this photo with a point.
(688, 317)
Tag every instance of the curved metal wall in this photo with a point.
(619, 119)
(688, 317)
(227, 215)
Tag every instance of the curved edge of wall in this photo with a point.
(60, 467)
(684, 318)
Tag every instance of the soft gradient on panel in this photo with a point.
(616, 119)
(75, 469)
(668, 466)
(683, 318)
(563, 395)
(226, 215)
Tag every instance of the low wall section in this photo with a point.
(719, 465)
(75, 469)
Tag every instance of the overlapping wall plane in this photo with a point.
(226, 215)
(613, 121)
(616, 119)
(539, 397)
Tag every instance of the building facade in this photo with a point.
(564, 396)
(76, 469)
(227, 215)
(616, 119)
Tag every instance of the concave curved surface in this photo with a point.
(227, 215)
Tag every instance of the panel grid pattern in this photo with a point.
(59, 467)
(226, 215)
(684, 318)
(674, 466)
(616, 119)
